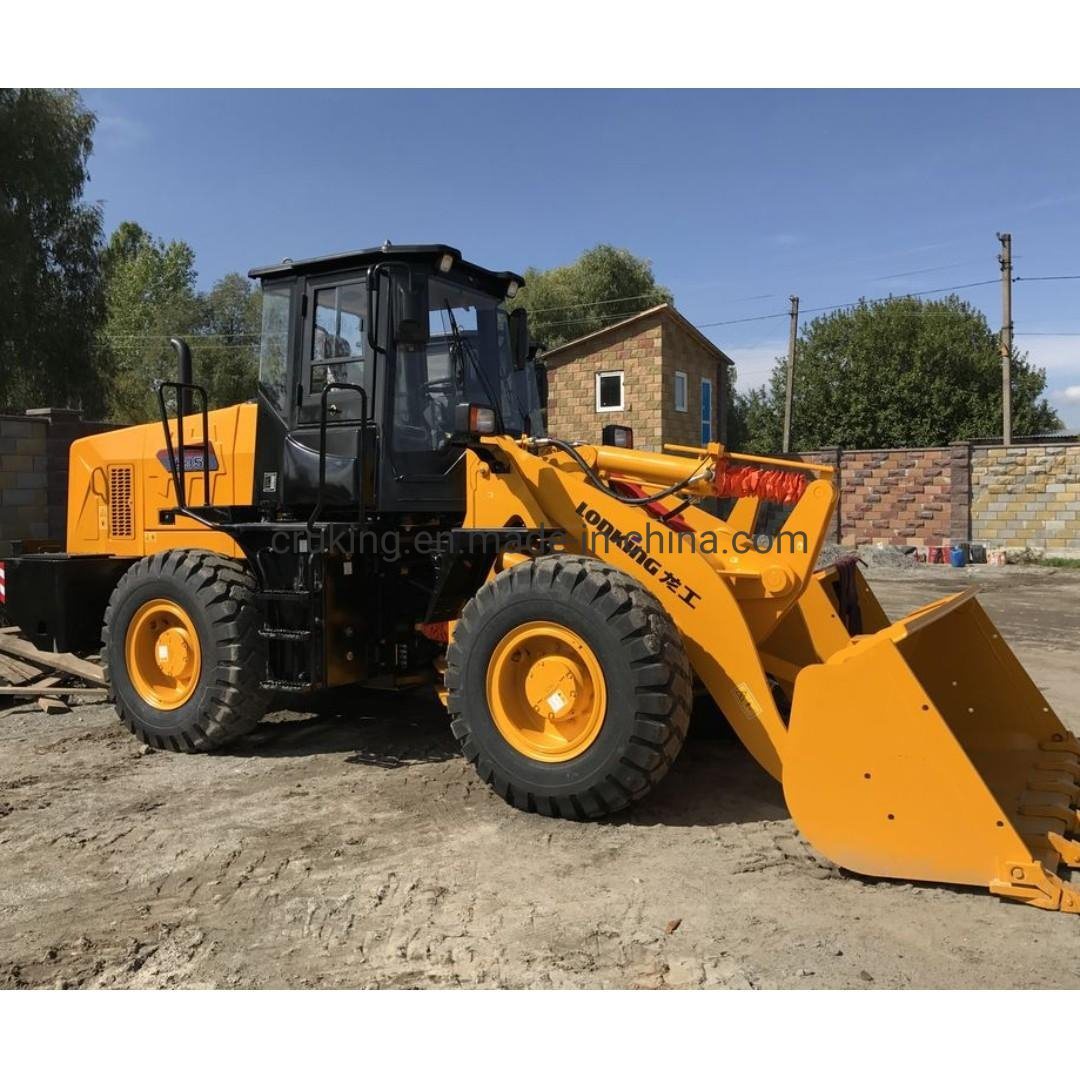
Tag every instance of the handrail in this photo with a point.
(179, 473)
(317, 510)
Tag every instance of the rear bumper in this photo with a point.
(59, 600)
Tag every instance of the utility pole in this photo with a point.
(1005, 259)
(793, 334)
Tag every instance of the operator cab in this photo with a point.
(380, 347)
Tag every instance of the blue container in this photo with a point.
(958, 557)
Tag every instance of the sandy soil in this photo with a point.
(355, 848)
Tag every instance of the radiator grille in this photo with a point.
(121, 508)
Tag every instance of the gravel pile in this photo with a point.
(871, 554)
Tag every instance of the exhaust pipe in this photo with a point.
(184, 372)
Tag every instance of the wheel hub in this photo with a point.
(546, 692)
(161, 649)
(173, 653)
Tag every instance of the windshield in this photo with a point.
(467, 358)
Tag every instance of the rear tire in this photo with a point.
(646, 685)
(217, 697)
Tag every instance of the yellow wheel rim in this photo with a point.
(546, 692)
(161, 649)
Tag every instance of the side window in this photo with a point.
(706, 411)
(609, 391)
(337, 343)
(680, 391)
(274, 344)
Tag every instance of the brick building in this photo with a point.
(654, 372)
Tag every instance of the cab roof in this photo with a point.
(496, 280)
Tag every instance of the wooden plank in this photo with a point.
(65, 662)
(91, 693)
(51, 706)
(16, 671)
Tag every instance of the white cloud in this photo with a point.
(119, 132)
(1058, 353)
(1052, 200)
(753, 363)
(1069, 393)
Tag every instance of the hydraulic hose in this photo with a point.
(629, 500)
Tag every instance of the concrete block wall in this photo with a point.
(23, 478)
(896, 497)
(636, 351)
(1027, 496)
(682, 353)
(1020, 496)
(901, 497)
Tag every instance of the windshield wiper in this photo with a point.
(465, 349)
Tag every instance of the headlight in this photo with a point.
(618, 435)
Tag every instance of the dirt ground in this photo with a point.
(358, 849)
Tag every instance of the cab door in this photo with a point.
(334, 349)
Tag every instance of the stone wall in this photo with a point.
(648, 349)
(1027, 496)
(636, 351)
(23, 478)
(682, 353)
(896, 497)
(1023, 496)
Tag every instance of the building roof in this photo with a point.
(665, 311)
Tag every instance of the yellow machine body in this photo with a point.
(917, 749)
(120, 483)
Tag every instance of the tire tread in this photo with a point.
(654, 649)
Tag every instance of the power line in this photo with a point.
(906, 296)
(749, 318)
(1051, 277)
(595, 303)
(928, 270)
(828, 307)
(254, 337)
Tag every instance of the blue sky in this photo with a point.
(738, 198)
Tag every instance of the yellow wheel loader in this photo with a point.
(389, 511)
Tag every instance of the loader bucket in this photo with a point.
(924, 751)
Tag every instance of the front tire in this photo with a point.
(568, 687)
(182, 653)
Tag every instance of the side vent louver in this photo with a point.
(121, 506)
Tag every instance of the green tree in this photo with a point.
(897, 372)
(50, 283)
(226, 348)
(149, 297)
(601, 286)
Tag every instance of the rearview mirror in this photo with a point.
(519, 337)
